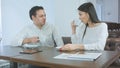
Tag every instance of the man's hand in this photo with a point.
(31, 40)
(34, 39)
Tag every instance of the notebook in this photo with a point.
(86, 56)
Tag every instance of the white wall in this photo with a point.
(0, 22)
(107, 10)
(15, 15)
(119, 11)
(98, 5)
(65, 13)
(110, 10)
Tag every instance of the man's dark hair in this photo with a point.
(34, 9)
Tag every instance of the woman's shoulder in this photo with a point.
(103, 24)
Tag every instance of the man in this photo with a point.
(39, 33)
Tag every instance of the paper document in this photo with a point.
(85, 56)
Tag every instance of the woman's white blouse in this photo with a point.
(94, 39)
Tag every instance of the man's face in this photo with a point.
(40, 17)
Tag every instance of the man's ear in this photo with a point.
(33, 17)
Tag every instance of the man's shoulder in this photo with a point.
(27, 27)
(49, 25)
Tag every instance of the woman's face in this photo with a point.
(84, 17)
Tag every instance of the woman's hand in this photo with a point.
(73, 27)
(70, 47)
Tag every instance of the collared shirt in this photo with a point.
(48, 35)
(94, 38)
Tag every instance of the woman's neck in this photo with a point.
(91, 24)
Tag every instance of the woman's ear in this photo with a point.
(88, 16)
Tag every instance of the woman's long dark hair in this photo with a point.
(89, 8)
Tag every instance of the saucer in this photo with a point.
(30, 46)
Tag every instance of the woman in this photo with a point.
(89, 35)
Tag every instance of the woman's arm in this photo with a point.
(98, 45)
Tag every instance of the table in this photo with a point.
(8, 51)
(46, 59)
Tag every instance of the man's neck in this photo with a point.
(39, 26)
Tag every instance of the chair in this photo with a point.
(4, 63)
(66, 40)
(113, 41)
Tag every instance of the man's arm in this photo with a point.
(57, 38)
(30, 40)
(18, 39)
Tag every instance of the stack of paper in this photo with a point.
(85, 56)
